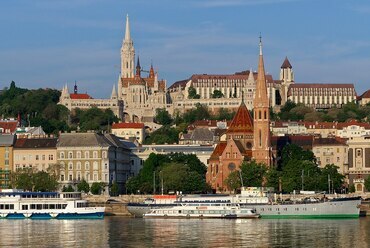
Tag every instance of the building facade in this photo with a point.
(6, 159)
(358, 161)
(84, 101)
(93, 157)
(129, 131)
(36, 153)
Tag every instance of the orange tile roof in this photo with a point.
(8, 126)
(217, 152)
(242, 121)
(366, 94)
(80, 96)
(127, 125)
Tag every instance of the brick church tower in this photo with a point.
(261, 146)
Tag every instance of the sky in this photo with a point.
(50, 43)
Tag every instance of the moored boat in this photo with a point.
(202, 210)
(268, 207)
(15, 204)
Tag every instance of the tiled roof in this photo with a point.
(202, 134)
(238, 75)
(35, 143)
(176, 85)
(7, 139)
(328, 141)
(217, 152)
(80, 96)
(127, 125)
(82, 140)
(286, 63)
(366, 94)
(242, 121)
(278, 142)
(9, 126)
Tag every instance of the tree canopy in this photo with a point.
(177, 171)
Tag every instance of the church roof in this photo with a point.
(217, 152)
(242, 121)
(80, 96)
(286, 63)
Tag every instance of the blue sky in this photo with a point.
(48, 43)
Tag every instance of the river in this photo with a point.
(130, 232)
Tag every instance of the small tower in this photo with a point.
(114, 96)
(138, 68)
(75, 88)
(151, 72)
(261, 145)
(127, 54)
(287, 78)
(65, 93)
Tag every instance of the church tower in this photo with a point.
(261, 145)
(127, 54)
(287, 78)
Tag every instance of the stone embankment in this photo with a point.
(115, 205)
(118, 205)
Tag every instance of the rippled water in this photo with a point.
(127, 232)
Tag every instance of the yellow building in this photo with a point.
(37, 153)
(129, 131)
(6, 159)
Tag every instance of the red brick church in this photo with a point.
(246, 138)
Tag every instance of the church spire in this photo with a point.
(261, 144)
(114, 94)
(151, 72)
(127, 34)
(138, 67)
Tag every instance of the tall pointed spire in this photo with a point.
(114, 94)
(251, 76)
(151, 72)
(138, 67)
(261, 144)
(127, 34)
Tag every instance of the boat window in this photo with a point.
(24, 207)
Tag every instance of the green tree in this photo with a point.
(162, 116)
(163, 135)
(192, 93)
(330, 171)
(114, 189)
(253, 174)
(199, 113)
(44, 182)
(96, 188)
(83, 186)
(352, 188)
(69, 188)
(232, 182)
(217, 94)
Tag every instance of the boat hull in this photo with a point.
(330, 209)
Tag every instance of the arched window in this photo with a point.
(87, 154)
(265, 115)
(104, 155)
(87, 166)
(95, 154)
(78, 165)
(61, 155)
(260, 137)
(70, 154)
(78, 154)
(95, 165)
(259, 115)
(70, 166)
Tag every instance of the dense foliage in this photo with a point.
(296, 171)
(30, 180)
(295, 112)
(92, 119)
(192, 93)
(176, 172)
(83, 186)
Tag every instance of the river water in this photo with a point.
(129, 232)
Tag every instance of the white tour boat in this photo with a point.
(16, 204)
(202, 210)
